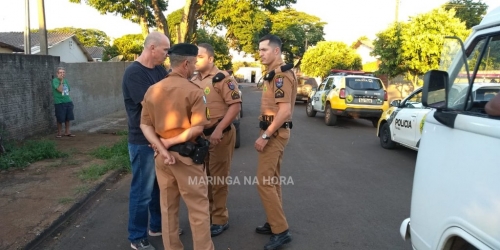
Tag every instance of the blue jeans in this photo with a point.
(144, 193)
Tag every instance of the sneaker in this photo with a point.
(266, 229)
(218, 229)
(278, 240)
(142, 245)
(154, 234)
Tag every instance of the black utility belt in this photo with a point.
(196, 151)
(209, 131)
(264, 125)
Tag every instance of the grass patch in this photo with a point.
(20, 156)
(82, 189)
(65, 200)
(115, 156)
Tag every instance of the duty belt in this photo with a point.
(264, 125)
(209, 131)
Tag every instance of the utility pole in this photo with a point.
(397, 10)
(27, 35)
(43, 29)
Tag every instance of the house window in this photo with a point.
(70, 44)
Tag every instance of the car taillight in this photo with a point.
(385, 95)
(342, 93)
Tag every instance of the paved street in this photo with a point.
(347, 192)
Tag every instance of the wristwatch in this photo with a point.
(265, 136)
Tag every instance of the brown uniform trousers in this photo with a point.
(184, 104)
(219, 96)
(282, 88)
(219, 165)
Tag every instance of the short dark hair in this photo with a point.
(273, 40)
(208, 47)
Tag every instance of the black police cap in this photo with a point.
(183, 49)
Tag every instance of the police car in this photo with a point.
(404, 121)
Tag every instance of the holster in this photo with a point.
(196, 151)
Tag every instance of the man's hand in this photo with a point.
(260, 144)
(168, 158)
(216, 137)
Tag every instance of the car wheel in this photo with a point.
(309, 110)
(330, 118)
(385, 137)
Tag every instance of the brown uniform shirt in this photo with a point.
(173, 105)
(219, 95)
(282, 88)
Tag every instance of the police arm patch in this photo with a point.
(278, 81)
(230, 84)
(279, 93)
(235, 95)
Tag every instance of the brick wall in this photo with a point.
(26, 102)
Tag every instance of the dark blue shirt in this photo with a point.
(136, 81)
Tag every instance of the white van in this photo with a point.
(456, 189)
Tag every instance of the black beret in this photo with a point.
(183, 49)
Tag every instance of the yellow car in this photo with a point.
(353, 94)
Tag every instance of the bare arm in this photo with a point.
(150, 134)
(283, 114)
(493, 106)
(60, 87)
(231, 114)
(185, 136)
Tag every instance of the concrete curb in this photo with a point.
(113, 176)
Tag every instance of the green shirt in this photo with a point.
(58, 96)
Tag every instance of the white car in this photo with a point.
(404, 121)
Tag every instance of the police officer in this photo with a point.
(173, 117)
(224, 103)
(277, 104)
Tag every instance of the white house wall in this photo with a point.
(246, 72)
(364, 52)
(68, 51)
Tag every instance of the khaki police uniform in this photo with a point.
(171, 106)
(219, 96)
(281, 89)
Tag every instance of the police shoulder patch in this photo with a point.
(279, 93)
(230, 84)
(278, 80)
(235, 95)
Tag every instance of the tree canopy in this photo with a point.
(319, 60)
(414, 47)
(469, 11)
(129, 46)
(88, 37)
(222, 58)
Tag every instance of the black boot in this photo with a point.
(278, 240)
(266, 229)
(218, 229)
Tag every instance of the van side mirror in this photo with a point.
(434, 94)
(395, 103)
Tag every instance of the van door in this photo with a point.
(456, 181)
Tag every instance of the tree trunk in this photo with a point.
(144, 26)
(143, 21)
(189, 20)
(161, 21)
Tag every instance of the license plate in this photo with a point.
(365, 100)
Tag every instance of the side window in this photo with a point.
(329, 83)
(414, 101)
(321, 87)
(490, 62)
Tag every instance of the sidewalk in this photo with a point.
(37, 199)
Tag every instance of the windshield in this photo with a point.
(483, 55)
(361, 83)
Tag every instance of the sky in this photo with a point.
(346, 20)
